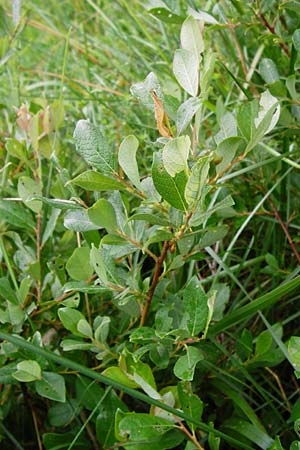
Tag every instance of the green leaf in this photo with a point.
(226, 151)
(92, 146)
(78, 265)
(268, 115)
(27, 371)
(171, 189)
(202, 16)
(52, 386)
(175, 155)
(7, 292)
(101, 327)
(85, 328)
(201, 215)
(143, 90)
(15, 148)
(70, 318)
(88, 392)
(158, 236)
(165, 15)
(61, 414)
(185, 68)
(251, 432)
(195, 305)
(191, 38)
(95, 181)
(106, 419)
(296, 39)
(28, 188)
(186, 112)
(79, 221)
(15, 214)
(294, 351)
(228, 127)
(197, 179)
(127, 159)
(190, 403)
(68, 345)
(98, 264)
(60, 203)
(102, 213)
(207, 73)
(185, 365)
(143, 427)
(268, 71)
(152, 219)
(13, 314)
(116, 374)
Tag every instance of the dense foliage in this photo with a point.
(149, 224)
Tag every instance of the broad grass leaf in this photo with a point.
(127, 159)
(185, 68)
(92, 146)
(171, 189)
(51, 386)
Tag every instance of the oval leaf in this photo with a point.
(92, 146)
(95, 181)
(185, 68)
(171, 189)
(78, 265)
(102, 213)
(175, 154)
(127, 159)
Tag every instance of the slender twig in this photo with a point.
(277, 379)
(271, 28)
(154, 282)
(137, 244)
(190, 436)
(285, 229)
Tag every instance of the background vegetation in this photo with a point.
(214, 362)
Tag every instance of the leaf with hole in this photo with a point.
(52, 386)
